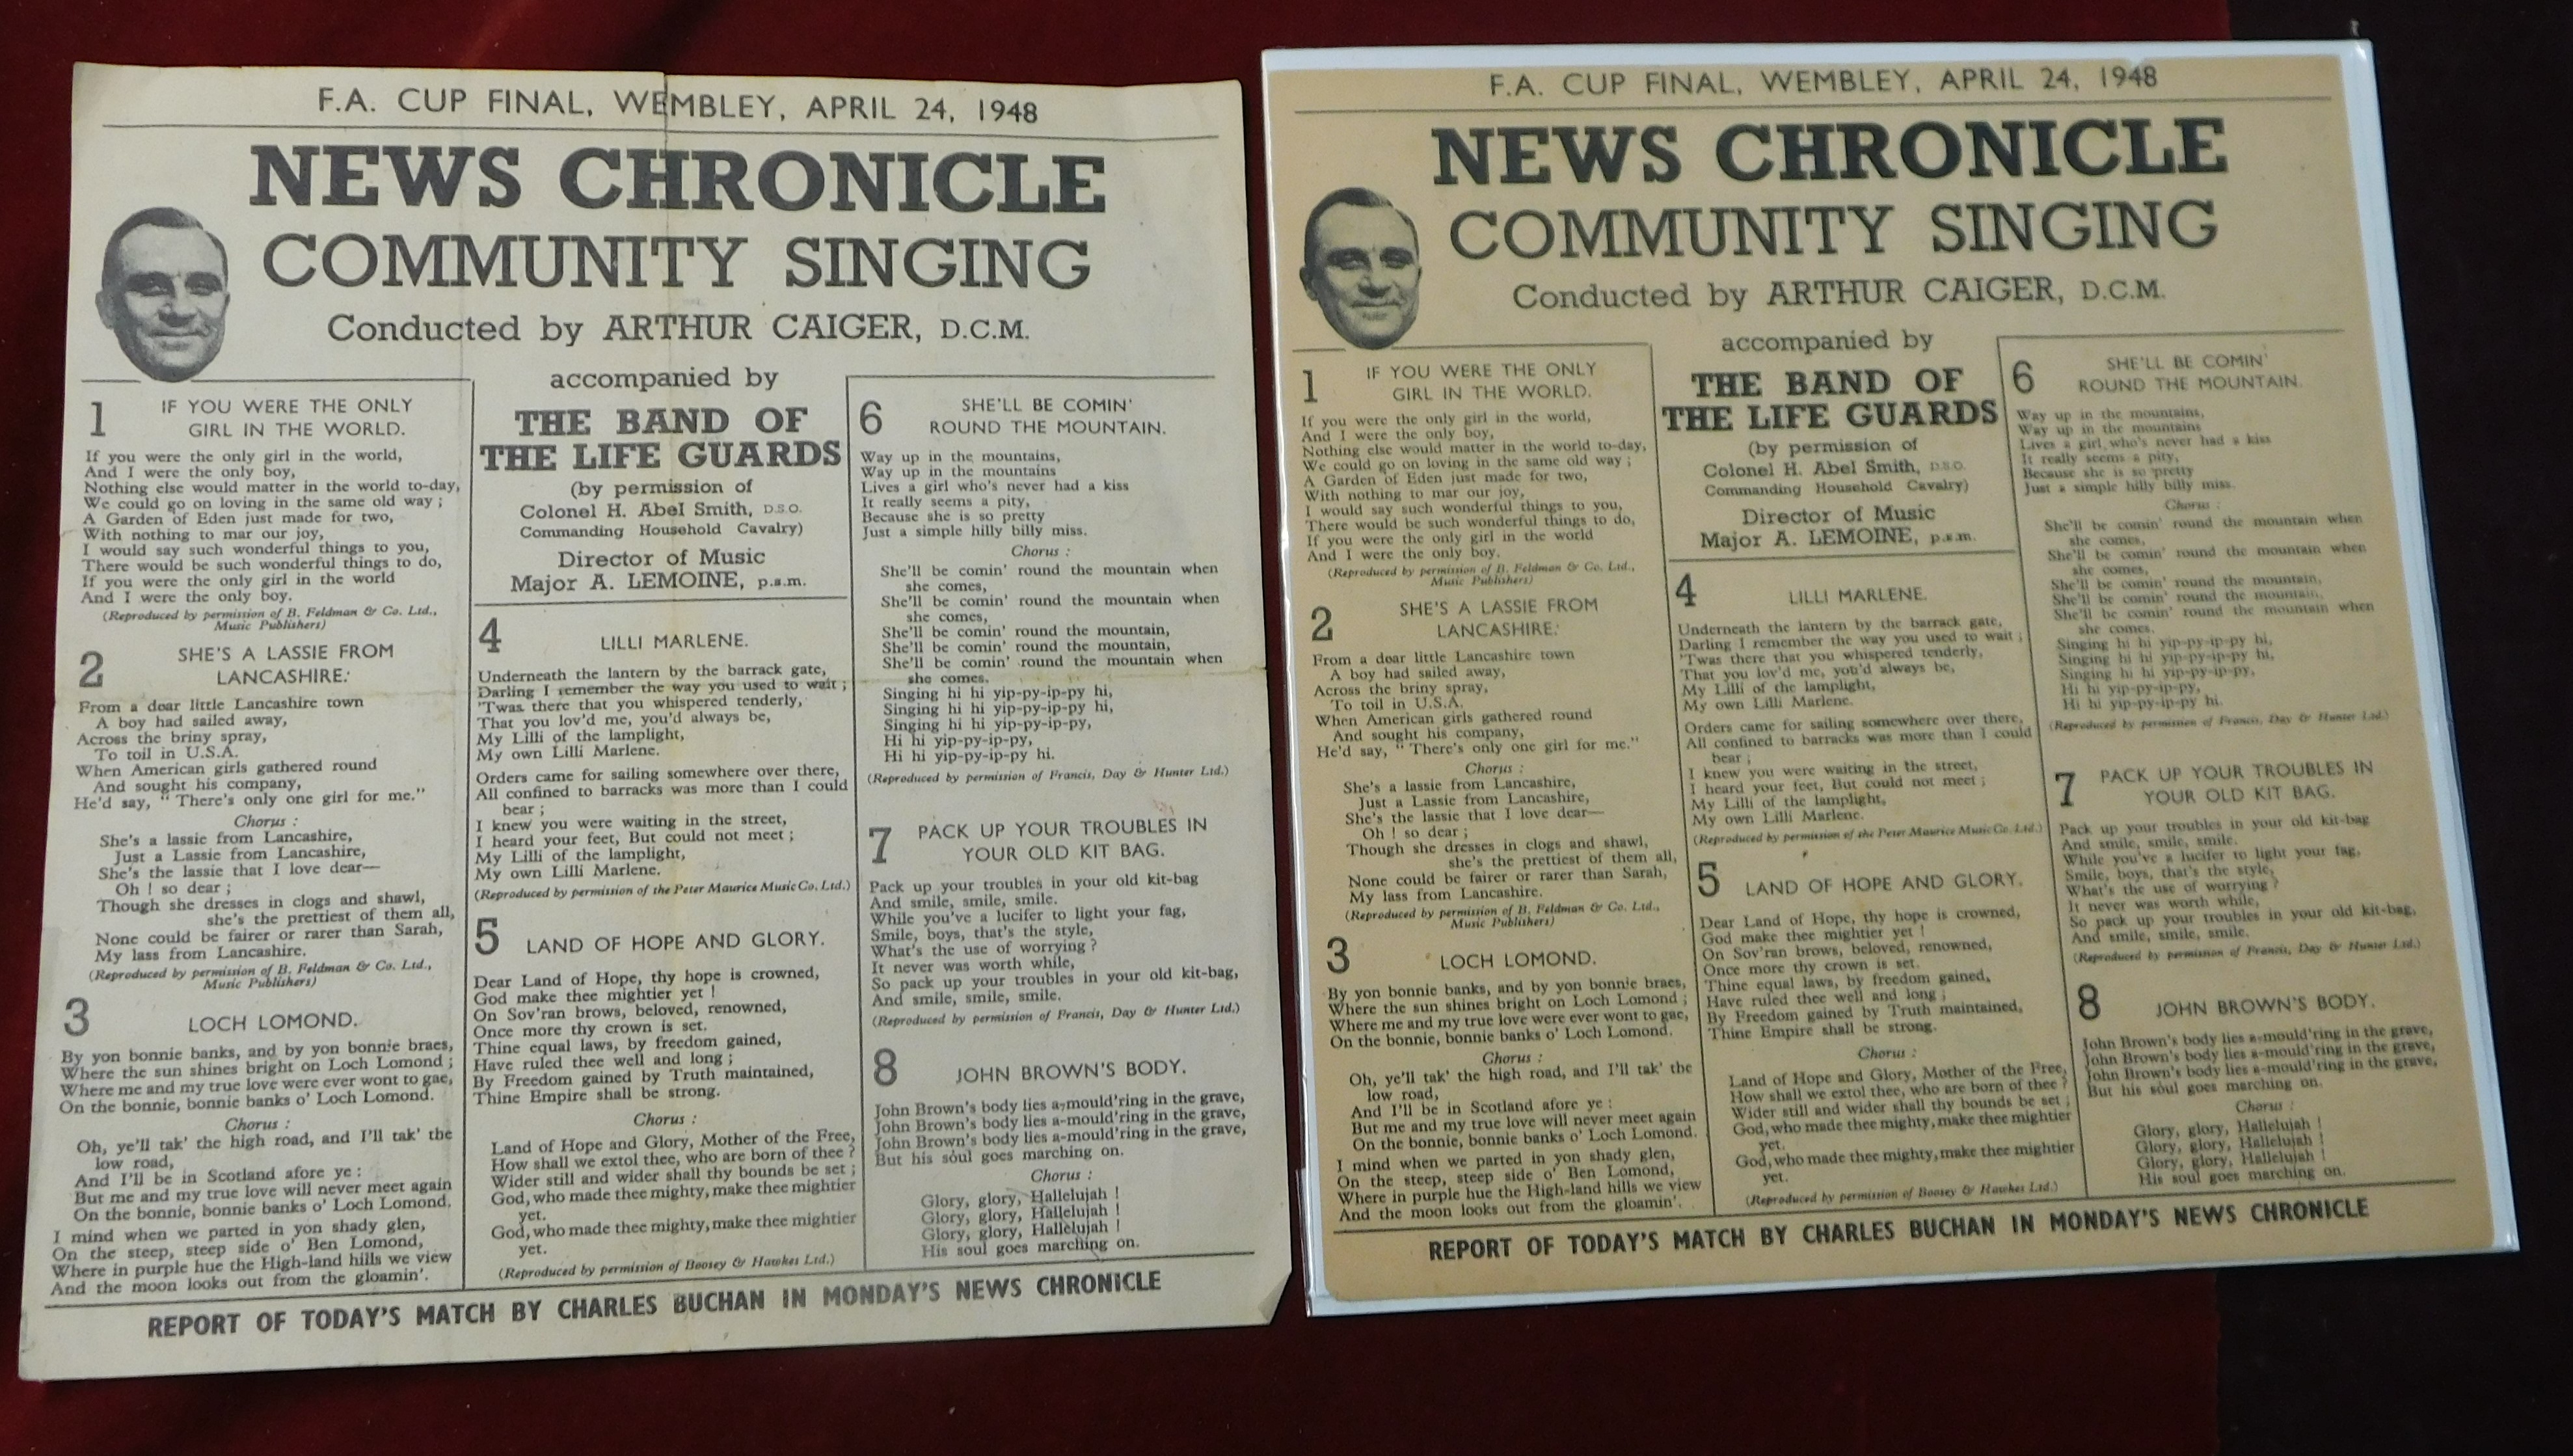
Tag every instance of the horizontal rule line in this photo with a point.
(1429, 347)
(1118, 377)
(1889, 1210)
(1991, 102)
(638, 600)
(1839, 556)
(824, 1276)
(960, 136)
(2175, 333)
(330, 379)
(632, 128)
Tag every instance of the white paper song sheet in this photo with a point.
(661, 734)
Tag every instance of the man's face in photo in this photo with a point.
(165, 297)
(1364, 271)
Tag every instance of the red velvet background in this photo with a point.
(2096, 1364)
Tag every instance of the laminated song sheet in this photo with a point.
(1862, 680)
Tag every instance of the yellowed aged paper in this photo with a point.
(1862, 679)
(662, 732)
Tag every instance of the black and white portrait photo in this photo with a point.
(163, 290)
(1362, 266)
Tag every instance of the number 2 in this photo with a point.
(1322, 624)
(93, 670)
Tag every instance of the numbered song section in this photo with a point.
(256, 576)
(663, 840)
(1496, 909)
(2264, 970)
(1051, 617)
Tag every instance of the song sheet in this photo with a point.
(1862, 669)
(661, 731)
